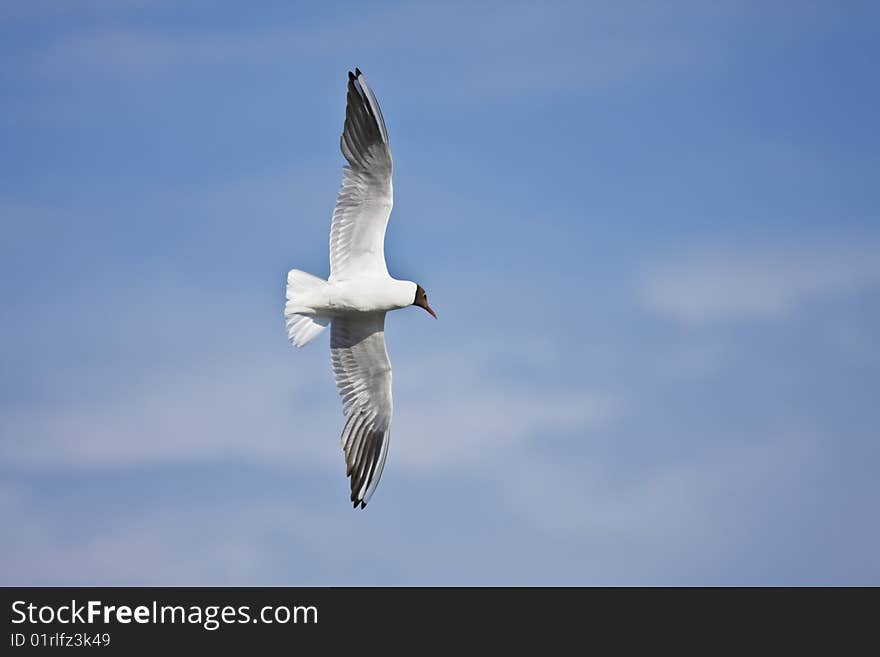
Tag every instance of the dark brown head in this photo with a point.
(421, 300)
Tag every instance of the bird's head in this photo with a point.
(421, 300)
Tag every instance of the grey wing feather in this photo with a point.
(363, 376)
(357, 230)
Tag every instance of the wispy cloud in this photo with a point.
(663, 498)
(241, 411)
(674, 523)
(758, 282)
(275, 405)
(472, 419)
(284, 412)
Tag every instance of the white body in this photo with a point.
(358, 295)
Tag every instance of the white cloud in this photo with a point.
(278, 406)
(759, 282)
(682, 522)
(475, 421)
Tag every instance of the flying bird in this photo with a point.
(359, 292)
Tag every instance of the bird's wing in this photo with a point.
(363, 377)
(357, 231)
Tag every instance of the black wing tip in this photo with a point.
(354, 76)
(357, 72)
(351, 76)
(357, 500)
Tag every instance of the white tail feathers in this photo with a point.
(302, 325)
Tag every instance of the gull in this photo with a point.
(354, 300)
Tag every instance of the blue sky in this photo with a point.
(650, 231)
